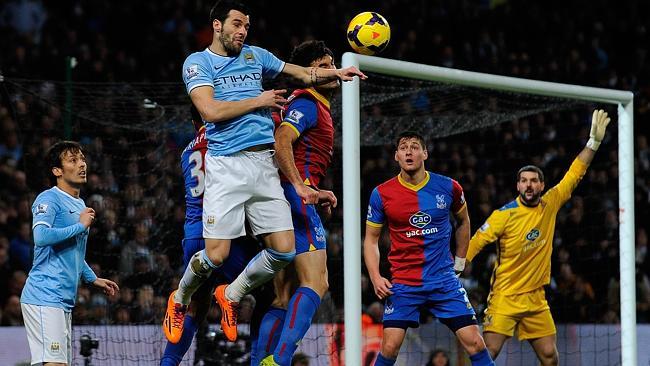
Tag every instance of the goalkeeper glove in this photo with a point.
(459, 266)
(599, 122)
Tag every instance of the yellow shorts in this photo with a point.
(528, 313)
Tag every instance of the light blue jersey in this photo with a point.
(233, 79)
(59, 251)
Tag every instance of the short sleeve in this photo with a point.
(301, 115)
(44, 210)
(458, 197)
(196, 72)
(271, 65)
(375, 216)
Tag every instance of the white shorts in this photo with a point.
(49, 333)
(243, 184)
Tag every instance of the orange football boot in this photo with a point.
(174, 319)
(228, 313)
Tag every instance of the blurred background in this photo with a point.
(123, 98)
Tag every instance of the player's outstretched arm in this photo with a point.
(599, 122)
(462, 240)
(381, 285)
(312, 76)
(215, 111)
(562, 191)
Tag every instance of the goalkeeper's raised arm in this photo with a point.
(523, 230)
(573, 176)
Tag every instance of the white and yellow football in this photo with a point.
(368, 33)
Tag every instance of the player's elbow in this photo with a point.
(211, 111)
(39, 236)
(211, 116)
(40, 241)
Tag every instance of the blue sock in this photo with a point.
(254, 334)
(174, 353)
(302, 307)
(482, 359)
(383, 361)
(269, 335)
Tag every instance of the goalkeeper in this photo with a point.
(523, 230)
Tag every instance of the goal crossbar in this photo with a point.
(352, 186)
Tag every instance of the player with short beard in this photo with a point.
(523, 230)
(224, 82)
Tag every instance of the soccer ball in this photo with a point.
(368, 33)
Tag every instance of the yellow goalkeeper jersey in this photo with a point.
(524, 237)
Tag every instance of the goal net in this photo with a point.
(480, 129)
(134, 133)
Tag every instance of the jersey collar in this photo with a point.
(522, 204)
(414, 187)
(319, 97)
(218, 55)
(66, 193)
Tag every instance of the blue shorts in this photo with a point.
(307, 226)
(242, 250)
(444, 300)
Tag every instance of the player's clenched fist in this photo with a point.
(87, 217)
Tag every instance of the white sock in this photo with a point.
(197, 271)
(259, 270)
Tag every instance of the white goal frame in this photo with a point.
(352, 188)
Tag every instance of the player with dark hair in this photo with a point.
(417, 205)
(225, 84)
(523, 230)
(61, 224)
(304, 142)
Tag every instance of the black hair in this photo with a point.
(531, 168)
(54, 155)
(433, 355)
(309, 51)
(221, 8)
(408, 134)
(197, 120)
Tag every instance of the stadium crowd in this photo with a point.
(135, 179)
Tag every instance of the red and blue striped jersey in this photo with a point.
(193, 165)
(419, 224)
(308, 114)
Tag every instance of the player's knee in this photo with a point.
(201, 264)
(215, 256)
(279, 260)
(475, 345)
(549, 356)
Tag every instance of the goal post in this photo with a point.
(351, 178)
